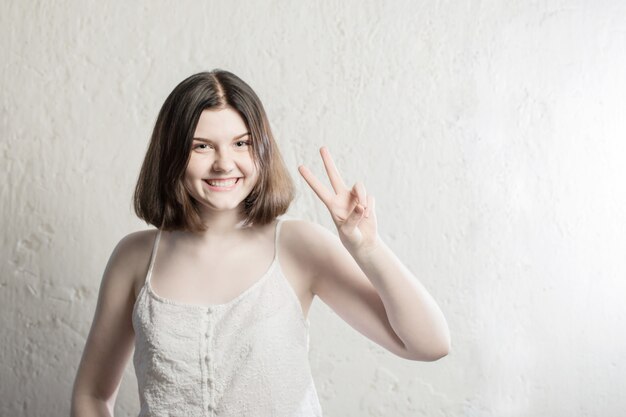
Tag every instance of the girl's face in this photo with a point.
(221, 171)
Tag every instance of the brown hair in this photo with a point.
(160, 197)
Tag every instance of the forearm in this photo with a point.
(412, 312)
(89, 406)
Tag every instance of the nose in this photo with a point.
(223, 161)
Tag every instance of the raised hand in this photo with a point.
(351, 209)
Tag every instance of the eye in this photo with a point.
(201, 146)
(242, 143)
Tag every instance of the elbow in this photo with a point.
(85, 402)
(443, 350)
(432, 354)
(446, 346)
(440, 353)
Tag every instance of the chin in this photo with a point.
(212, 207)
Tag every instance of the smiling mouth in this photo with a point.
(225, 184)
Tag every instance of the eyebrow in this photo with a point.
(209, 140)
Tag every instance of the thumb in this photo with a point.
(353, 219)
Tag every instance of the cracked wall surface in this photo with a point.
(491, 133)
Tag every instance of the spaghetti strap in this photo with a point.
(153, 255)
(278, 223)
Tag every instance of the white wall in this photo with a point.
(492, 134)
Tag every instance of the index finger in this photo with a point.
(320, 189)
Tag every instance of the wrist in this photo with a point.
(367, 249)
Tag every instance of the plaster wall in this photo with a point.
(492, 134)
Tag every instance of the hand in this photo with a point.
(352, 210)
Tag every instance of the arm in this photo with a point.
(413, 313)
(365, 283)
(111, 338)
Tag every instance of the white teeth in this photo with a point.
(216, 183)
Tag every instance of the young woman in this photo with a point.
(215, 300)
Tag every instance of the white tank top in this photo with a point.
(246, 357)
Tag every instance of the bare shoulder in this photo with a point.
(308, 243)
(131, 256)
(303, 234)
(301, 246)
(135, 245)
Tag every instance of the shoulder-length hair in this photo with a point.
(160, 197)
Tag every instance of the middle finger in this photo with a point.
(333, 174)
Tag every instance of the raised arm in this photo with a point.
(111, 338)
(364, 282)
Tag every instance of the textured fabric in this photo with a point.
(246, 357)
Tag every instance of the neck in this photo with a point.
(221, 225)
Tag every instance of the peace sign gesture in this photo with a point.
(352, 210)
